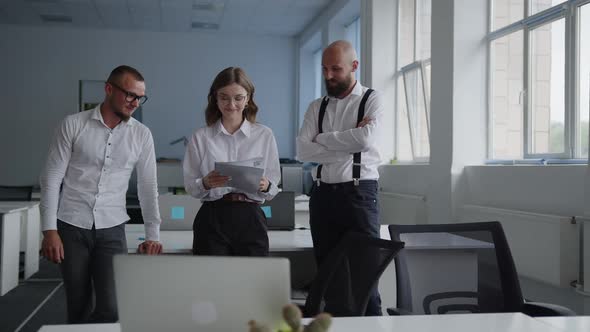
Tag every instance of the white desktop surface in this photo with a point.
(506, 322)
(570, 324)
(181, 242)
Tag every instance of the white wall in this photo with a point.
(543, 189)
(41, 67)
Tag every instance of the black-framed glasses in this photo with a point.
(130, 96)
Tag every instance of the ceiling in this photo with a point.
(271, 17)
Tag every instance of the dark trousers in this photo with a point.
(87, 271)
(335, 209)
(225, 228)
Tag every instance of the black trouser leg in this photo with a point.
(108, 243)
(225, 228)
(75, 270)
(335, 210)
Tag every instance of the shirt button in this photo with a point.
(109, 143)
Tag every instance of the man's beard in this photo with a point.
(119, 113)
(339, 88)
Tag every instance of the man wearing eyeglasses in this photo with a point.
(91, 157)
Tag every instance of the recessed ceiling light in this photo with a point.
(56, 18)
(208, 6)
(205, 25)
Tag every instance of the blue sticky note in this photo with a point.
(177, 212)
(267, 211)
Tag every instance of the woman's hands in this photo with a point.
(214, 180)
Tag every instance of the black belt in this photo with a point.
(348, 184)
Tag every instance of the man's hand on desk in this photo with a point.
(150, 248)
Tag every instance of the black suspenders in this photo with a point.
(356, 157)
(320, 130)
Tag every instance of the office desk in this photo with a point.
(9, 247)
(30, 237)
(298, 247)
(181, 242)
(507, 322)
(570, 324)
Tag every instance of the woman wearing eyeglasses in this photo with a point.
(230, 222)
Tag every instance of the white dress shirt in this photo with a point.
(94, 163)
(214, 143)
(340, 139)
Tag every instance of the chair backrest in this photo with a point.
(349, 274)
(453, 268)
(16, 193)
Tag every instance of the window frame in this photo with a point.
(569, 11)
(399, 72)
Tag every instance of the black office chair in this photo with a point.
(349, 274)
(16, 193)
(478, 274)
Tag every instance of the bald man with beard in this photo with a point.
(340, 133)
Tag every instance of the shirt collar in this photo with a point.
(357, 89)
(245, 128)
(96, 115)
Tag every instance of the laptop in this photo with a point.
(178, 212)
(199, 293)
(280, 211)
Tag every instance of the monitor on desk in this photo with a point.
(178, 212)
(200, 293)
(280, 211)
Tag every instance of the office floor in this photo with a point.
(41, 300)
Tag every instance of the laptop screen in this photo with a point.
(280, 211)
(178, 212)
(199, 293)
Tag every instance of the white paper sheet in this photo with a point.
(244, 176)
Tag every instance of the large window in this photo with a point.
(413, 81)
(539, 74)
(318, 77)
(353, 35)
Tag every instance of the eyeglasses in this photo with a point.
(130, 96)
(225, 99)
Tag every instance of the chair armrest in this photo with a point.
(538, 309)
(398, 312)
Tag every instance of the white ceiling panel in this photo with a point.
(19, 12)
(114, 13)
(83, 13)
(145, 14)
(275, 17)
(176, 15)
